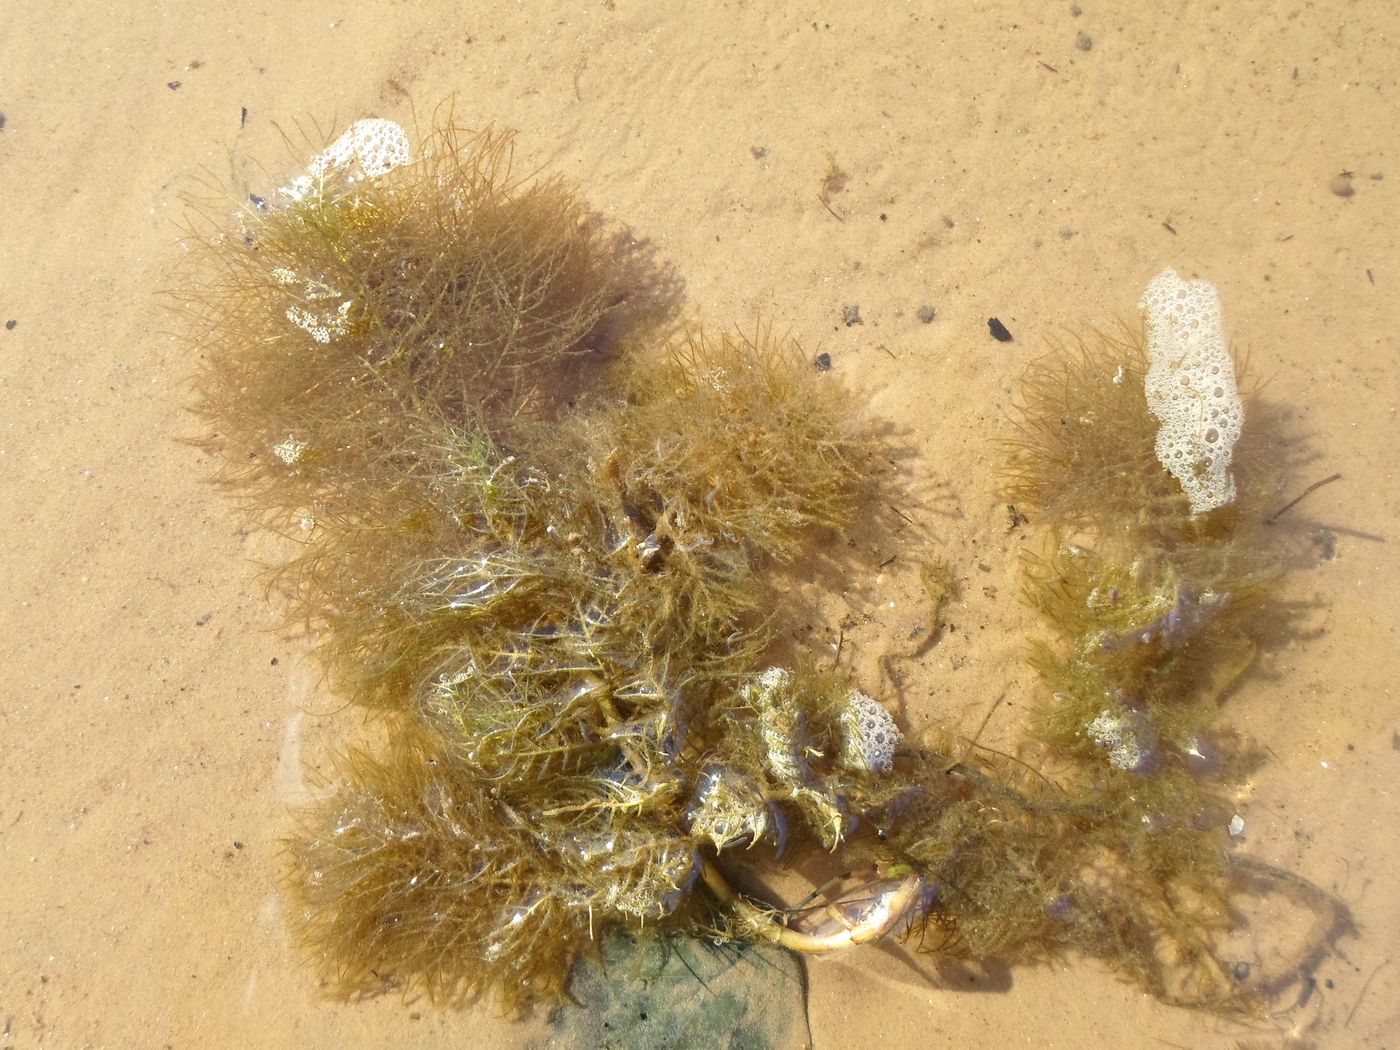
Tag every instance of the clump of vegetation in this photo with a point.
(351, 319)
(1156, 613)
(537, 530)
(1158, 609)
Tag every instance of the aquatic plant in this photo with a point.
(1156, 610)
(538, 529)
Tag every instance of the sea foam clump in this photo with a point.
(368, 148)
(1128, 737)
(869, 735)
(1191, 388)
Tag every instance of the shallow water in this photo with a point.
(1015, 161)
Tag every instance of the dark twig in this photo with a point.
(1272, 518)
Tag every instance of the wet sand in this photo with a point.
(1016, 160)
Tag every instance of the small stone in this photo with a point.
(999, 331)
(1084, 41)
(1236, 826)
(850, 315)
(1341, 185)
(926, 314)
(823, 362)
(10, 325)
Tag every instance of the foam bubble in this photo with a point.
(869, 735)
(1191, 388)
(369, 148)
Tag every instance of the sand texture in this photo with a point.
(1020, 160)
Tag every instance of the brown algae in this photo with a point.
(536, 529)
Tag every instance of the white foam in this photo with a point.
(1127, 736)
(368, 149)
(1191, 388)
(869, 735)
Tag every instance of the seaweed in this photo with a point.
(1155, 614)
(539, 529)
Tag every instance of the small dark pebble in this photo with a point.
(998, 330)
(1328, 983)
(237, 844)
(823, 362)
(926, 314)
(884, 217)
(1241, 971)
(173, 85)
(274, 661)
(1084, 41)
(204, 619)
(850, 315)
(242, 116)
(10, 325)
(1341, 185)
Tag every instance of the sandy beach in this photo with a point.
(1037, 163)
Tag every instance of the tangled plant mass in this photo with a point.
(539, 529)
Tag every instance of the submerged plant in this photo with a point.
(1157, 609)
(538, 532)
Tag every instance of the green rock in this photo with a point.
(672, 992)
